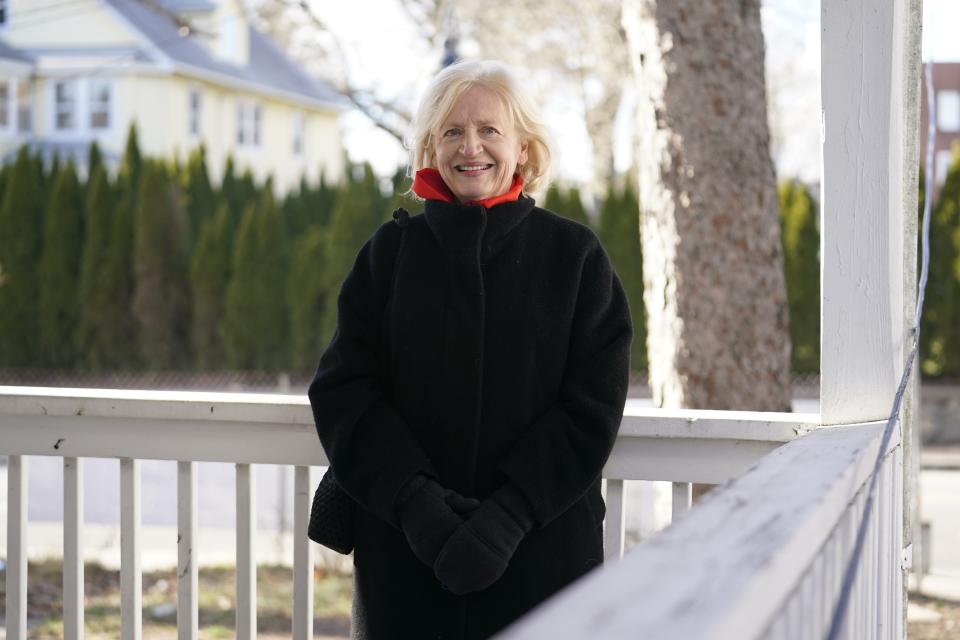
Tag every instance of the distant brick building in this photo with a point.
(946, 83)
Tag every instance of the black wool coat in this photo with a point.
(494, 348)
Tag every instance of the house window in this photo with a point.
(299, 127)
(5, 103)
(65, 105)
(24, 121)
(194, 112)
(100, 97)
(942, 164)
(948, 110)
(249, 116)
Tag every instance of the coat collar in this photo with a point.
(430, 185)
(461, 227)
(472, 225)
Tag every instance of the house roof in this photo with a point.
(9, 53)
(188, 5)
(269, 69)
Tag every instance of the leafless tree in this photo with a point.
(570, 50)
(302, 32)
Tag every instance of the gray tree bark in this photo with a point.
(718, 334)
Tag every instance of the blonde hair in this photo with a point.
(451, 83)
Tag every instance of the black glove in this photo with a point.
(477, 553)
(428, 514)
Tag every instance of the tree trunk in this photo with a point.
(713, 266)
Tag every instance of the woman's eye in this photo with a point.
(451, 132)
(489, 130)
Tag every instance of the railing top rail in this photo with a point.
(279, 429)
(724, 569)
(208, 405)
(169, 405)
(697, 423)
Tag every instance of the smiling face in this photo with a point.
(477, 148)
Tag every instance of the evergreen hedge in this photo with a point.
(158, 268)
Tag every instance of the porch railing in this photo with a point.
(761, 557)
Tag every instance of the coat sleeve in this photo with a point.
(563, 452)
(368, 444)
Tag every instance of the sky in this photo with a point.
(385, 53)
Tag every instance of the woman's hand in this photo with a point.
(478, 552)
(429, 514)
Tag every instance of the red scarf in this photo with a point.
(429, 185)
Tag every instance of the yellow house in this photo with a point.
(185, 71)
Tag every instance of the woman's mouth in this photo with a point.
(472, 169)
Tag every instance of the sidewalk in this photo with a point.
(940, 508)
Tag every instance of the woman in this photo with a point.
(475, 384)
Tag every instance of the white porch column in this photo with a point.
(867, 266)
(870, 73)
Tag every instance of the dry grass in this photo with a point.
(332, 597)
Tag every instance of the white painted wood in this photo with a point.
(779, 629)
(246, 560)
(131, 576)
(302, 556)
(875, 558)
(885, 549)
(907, 97)
(862, 325)
(682, 498)
(680, 443)
(163, 439)
(830, 562)
(722, 425)
(17, 548)
(848, 534)
(765, 528)
(187, 575)
(684, 459)
(899, 614)
(614, 525)
(818, 584)
(806, 607)
(279, 430)
(856, 614)
(274, 409)
(678, 446)
(73, 549)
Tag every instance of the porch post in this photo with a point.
(866, 282)
(870, 72)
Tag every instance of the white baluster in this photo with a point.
(17, 548)
(614, 525)
(187, 620)
(302, 556)
(246, 560)
(73, 549)
(681, 499)
(131, 577)
(895, 525)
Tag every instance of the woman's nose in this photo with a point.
(471, 144)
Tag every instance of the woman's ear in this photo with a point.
(522, 159)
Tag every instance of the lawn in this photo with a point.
(332, 596)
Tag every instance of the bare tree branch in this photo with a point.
(389, 116)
